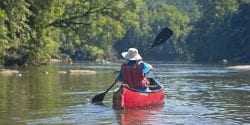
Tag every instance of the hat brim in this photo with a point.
(128, 57)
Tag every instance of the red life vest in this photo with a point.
(133, 76)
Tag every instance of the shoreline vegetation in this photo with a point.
(34, 32)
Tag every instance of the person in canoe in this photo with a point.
(133, 72)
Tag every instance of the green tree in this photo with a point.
(44, 42)
(16, 29)
(154, 16)
(209, 38)
(99, 25)
(3, 36)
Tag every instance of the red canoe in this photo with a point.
(127, 98)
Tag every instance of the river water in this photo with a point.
(195, 94)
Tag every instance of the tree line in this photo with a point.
(34, 31)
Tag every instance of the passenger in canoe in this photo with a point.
(133, 72)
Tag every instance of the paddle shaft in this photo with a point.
(111, 86)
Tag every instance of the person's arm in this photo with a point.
(146, 67)
(150, 66)
(119, 77)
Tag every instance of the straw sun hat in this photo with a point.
(132, 54)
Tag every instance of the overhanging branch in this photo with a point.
(63, 23)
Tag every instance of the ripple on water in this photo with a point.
(79, 114)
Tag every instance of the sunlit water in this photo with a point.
(195, 94)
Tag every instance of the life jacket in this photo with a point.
(133, 76)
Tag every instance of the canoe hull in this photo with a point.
(126, 98)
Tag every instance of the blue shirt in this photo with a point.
(145, 68)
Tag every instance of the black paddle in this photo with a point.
(162, 37)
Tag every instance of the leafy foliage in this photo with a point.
(214, 37)
(3, 38)
(34, 31)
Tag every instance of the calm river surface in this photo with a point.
(195, 94)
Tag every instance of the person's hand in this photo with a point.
(151, 67)
(126, 85)
(116, 80)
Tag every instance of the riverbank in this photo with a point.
(239, 67)
(8, 72)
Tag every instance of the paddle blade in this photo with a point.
(162, 37)
(98, 98)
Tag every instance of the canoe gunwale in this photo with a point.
(139, 91)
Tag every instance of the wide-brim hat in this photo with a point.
(132, 54)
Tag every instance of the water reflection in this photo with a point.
(139, 116)
(195, 94)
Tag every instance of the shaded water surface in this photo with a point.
(195, 94)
